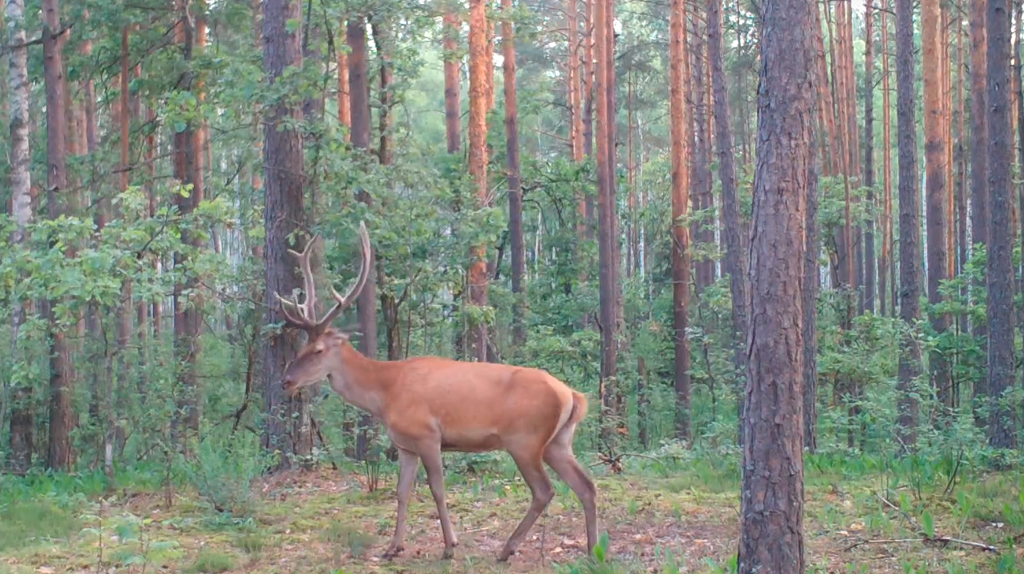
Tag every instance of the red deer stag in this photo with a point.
(433, 404)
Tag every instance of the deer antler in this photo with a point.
(305, 316)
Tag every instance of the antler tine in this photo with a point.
(357, 287)
(300, 321)
(308, 307)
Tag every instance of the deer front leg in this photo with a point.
(435, 476)
(408, 462)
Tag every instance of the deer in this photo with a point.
(429, 405)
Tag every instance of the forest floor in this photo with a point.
(326, 522)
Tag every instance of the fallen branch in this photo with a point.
(923, 536)
(927, 540)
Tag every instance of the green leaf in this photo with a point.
(929, 524)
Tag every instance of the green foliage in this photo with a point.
(32, 522)
(212, 562)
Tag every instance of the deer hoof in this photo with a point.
(505, 555)
(392, 552)
(448, 554)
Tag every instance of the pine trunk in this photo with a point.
(910, 225)
(772, 497)
(1000, 252)
(680, 125)
(62, 377)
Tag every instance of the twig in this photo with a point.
(924, 538)
(927, 540)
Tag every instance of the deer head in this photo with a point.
(321, 353)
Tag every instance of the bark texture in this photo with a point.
(1000, 251)
(772, 499)
(910, 224)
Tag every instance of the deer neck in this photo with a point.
(360, 380)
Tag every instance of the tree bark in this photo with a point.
(887, 254)
(700, 232)
(935, 184)
(479, 62)
(910, 225)
(980, 216)
(22, 424)
(62, 377)
(772, 499)
(1000, 250)
(452, 108)
(515, 192)
(344, 108)
(366, 302)
(735, 242)
(680, 125)
(188, 169)
(869, 155)
(284, 214)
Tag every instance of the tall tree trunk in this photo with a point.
(980, 215)
(574, 93)
(344, 108)
(810, 308)
(701, 173)
(515, 192)
(772, 500)
(910, 225)
(679, 79)
(735, 242)
(284, 214)
(452, 108)
(22, 422)
(607, 269)
(359, 98)
(479, 62)
(869, 155)
(62, 377)
(935, 181)
(887, 254)
(1000, 262)
(188, 169)
(589, 88)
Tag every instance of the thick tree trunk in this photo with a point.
(479, 62)
(1000, 259)
(515, 192)
(679, 79)
(935, 182)
(62, 377)
(910, 225)
(284, 214)
(735, 241)
(772, 499)
(22, 424)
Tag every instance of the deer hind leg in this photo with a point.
(560, 458)
(435, 476)
(540, 485)
(408, 463)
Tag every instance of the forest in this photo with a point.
(571, 286)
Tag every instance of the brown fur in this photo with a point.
(433, 404)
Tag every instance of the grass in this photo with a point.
(659, 516)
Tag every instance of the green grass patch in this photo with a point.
(211, 562)
(28, 523)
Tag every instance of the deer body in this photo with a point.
(433, 404)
